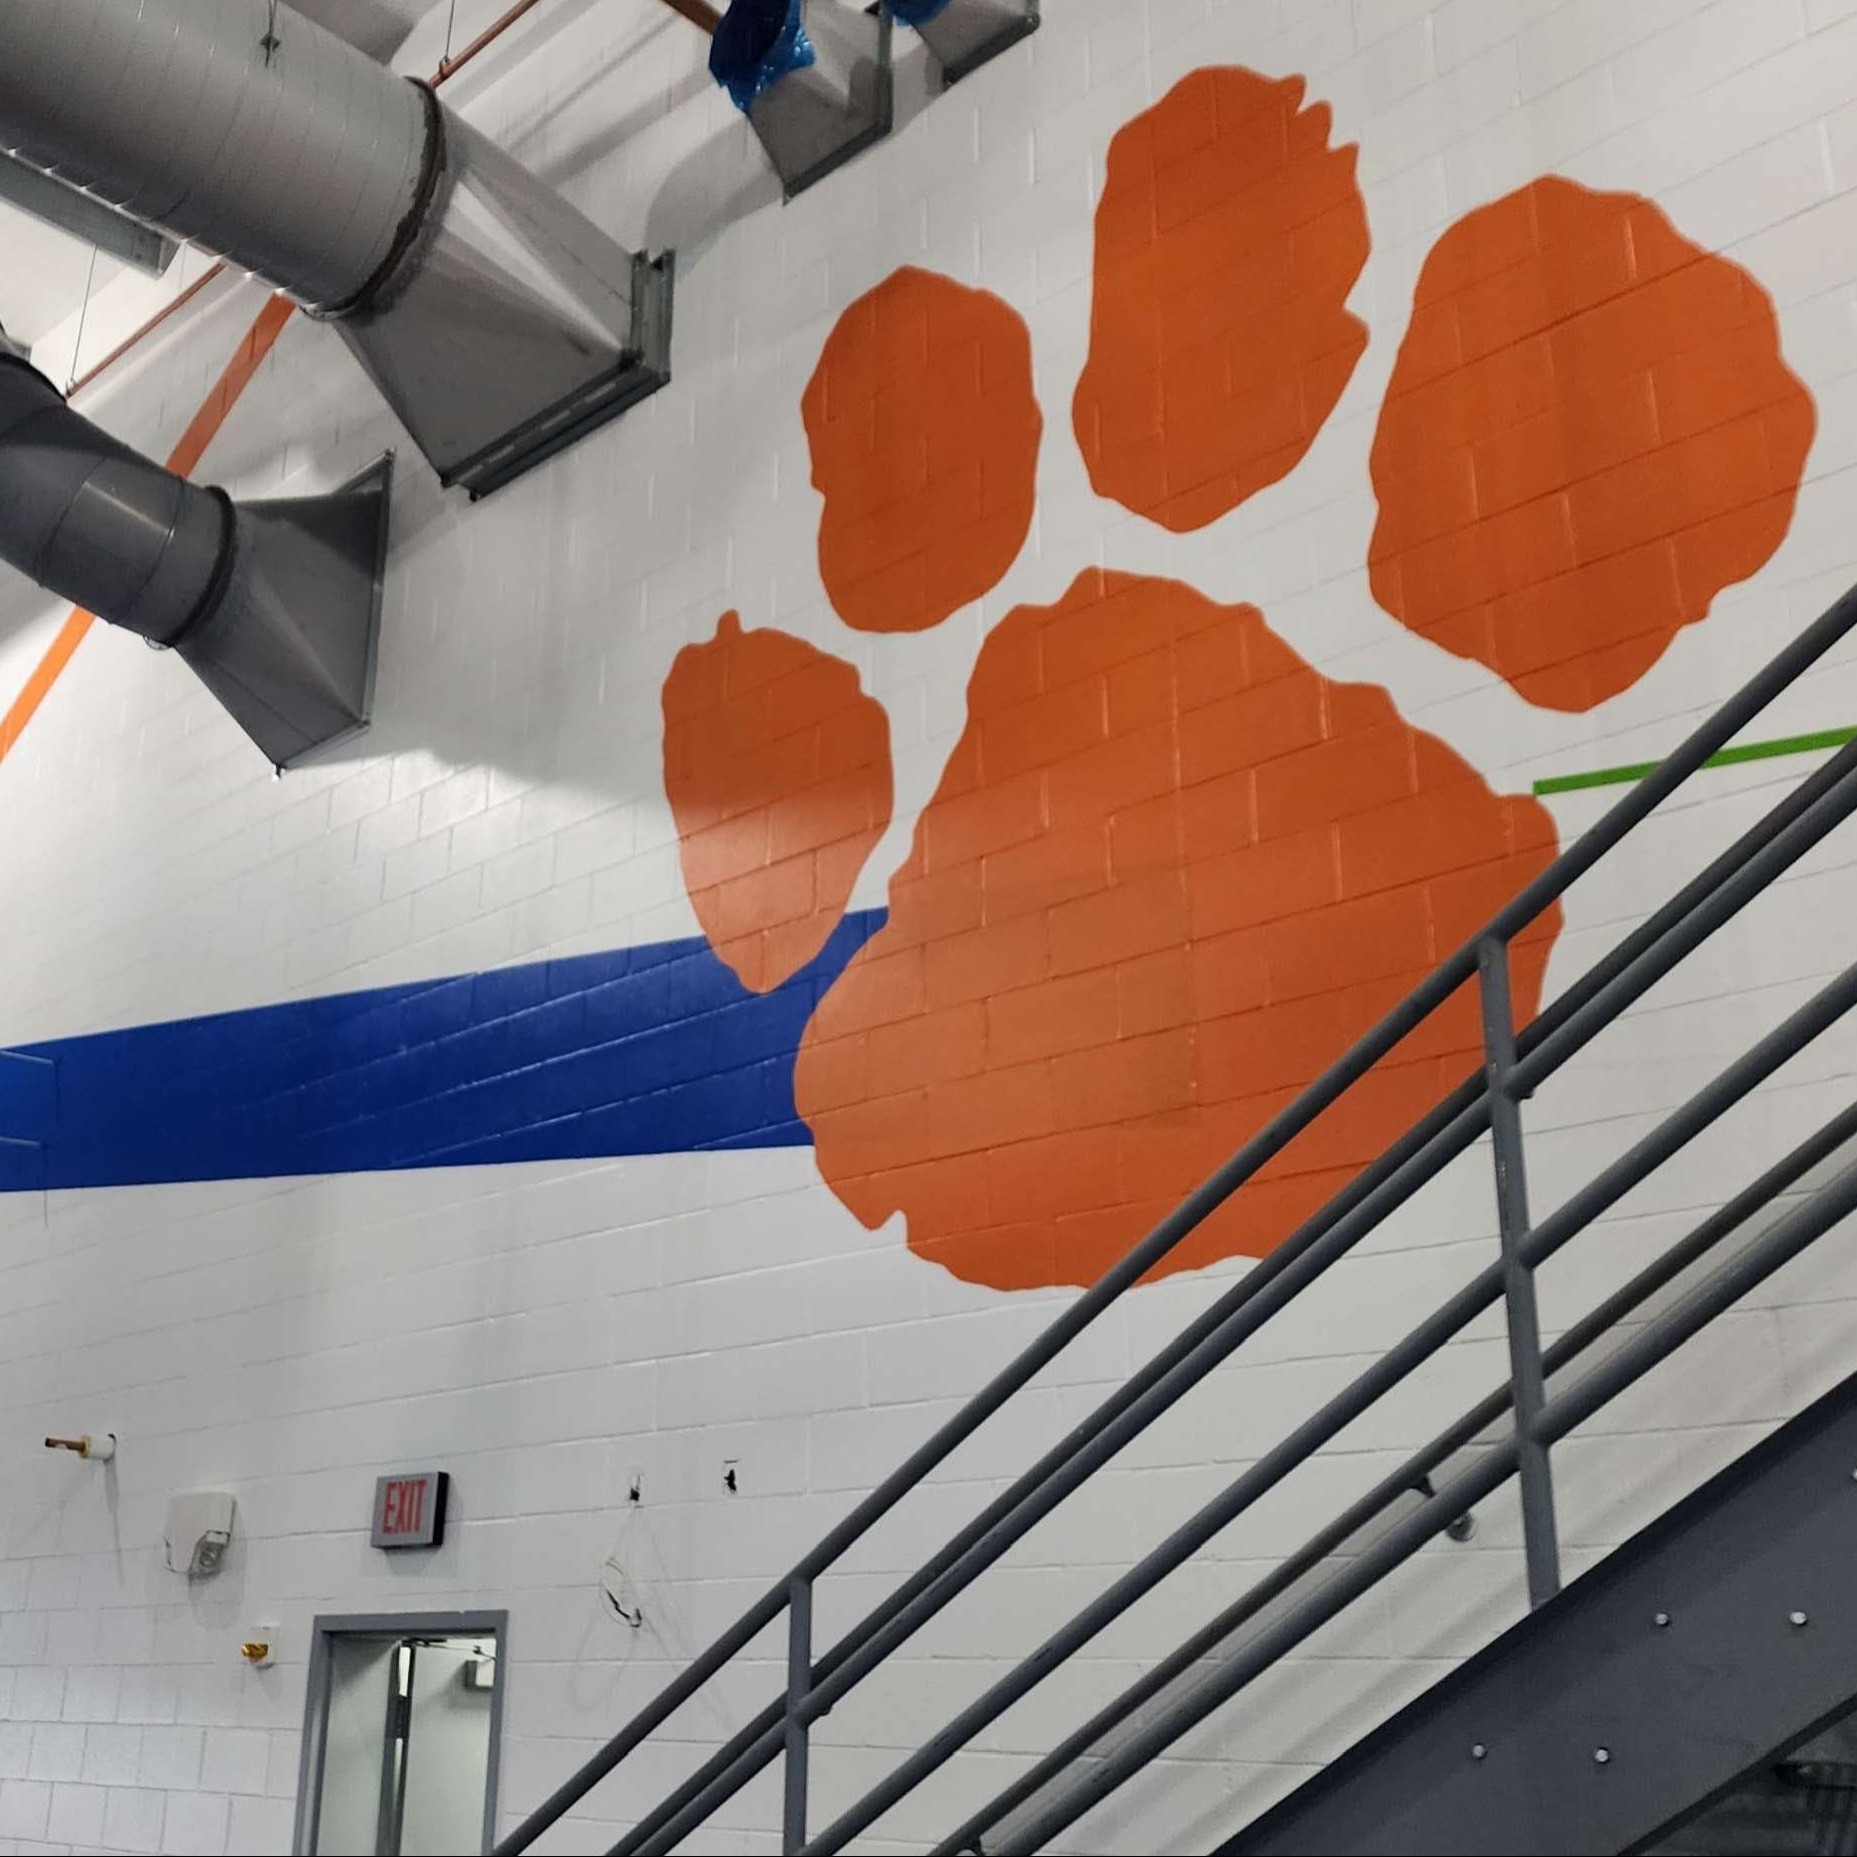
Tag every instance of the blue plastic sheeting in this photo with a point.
(758, 43)
(919, 12)
(652, 1050)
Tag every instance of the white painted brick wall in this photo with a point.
(549, 1331)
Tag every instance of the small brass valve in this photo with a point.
(99, 1448)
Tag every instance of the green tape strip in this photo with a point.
(1729, 757)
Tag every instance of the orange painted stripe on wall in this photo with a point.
(201, 431)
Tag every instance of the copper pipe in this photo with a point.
(698, 13)
(148, 328)
(448, 67)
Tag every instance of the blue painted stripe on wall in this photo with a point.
(22, 1166)
(28, 1097)
(28, 1119)
(647, 1050)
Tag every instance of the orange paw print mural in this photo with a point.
(1171, 870)
(924, 428)
(1228, 239)
(1589, 434)
(777, 768)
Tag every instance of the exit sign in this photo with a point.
(409, 1509)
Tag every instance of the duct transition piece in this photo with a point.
(274, 605)
(813, 78)
(965, 34)
(498, 321)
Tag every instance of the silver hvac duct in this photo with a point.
(814, 81)
(965, 34)
(274, 605)
(498, 321)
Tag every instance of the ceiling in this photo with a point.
(43, 272)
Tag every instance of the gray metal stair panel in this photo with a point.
(1598, 1726)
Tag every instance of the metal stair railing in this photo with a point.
(1414, 1477)
(1082, 1771)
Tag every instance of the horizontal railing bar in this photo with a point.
(1781, 837)
(1187, 1217)
(1637, 805)
(1408, 1477)
(1751, 1069)
(646, 1723)
(1783, 847)
(1600, 1320)
(1740, 1274)
(1394, 1366)
(1630, 1169)
(1256, 1282)
(700, 1783)
(1703, 743)
(1655, 1343)
(1244, 1320)
(1309, 1615)
(1559, 1012)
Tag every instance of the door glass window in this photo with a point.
(406, 1744)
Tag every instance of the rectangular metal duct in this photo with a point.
(965, 34)
(816, 118)
(75, 212)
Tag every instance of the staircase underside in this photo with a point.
(1602, 1728)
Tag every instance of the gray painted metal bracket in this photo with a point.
(638, 374)
(967, 34)
(815, 120)
(85, 217)
(1724, 1631)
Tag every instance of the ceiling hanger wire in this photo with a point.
(83, 315)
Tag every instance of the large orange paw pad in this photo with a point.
(1169, 875)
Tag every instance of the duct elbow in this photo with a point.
(508, 324)
(275, 606)
(97, 523)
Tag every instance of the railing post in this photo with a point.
(799, 1682)
(1540, 1541)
